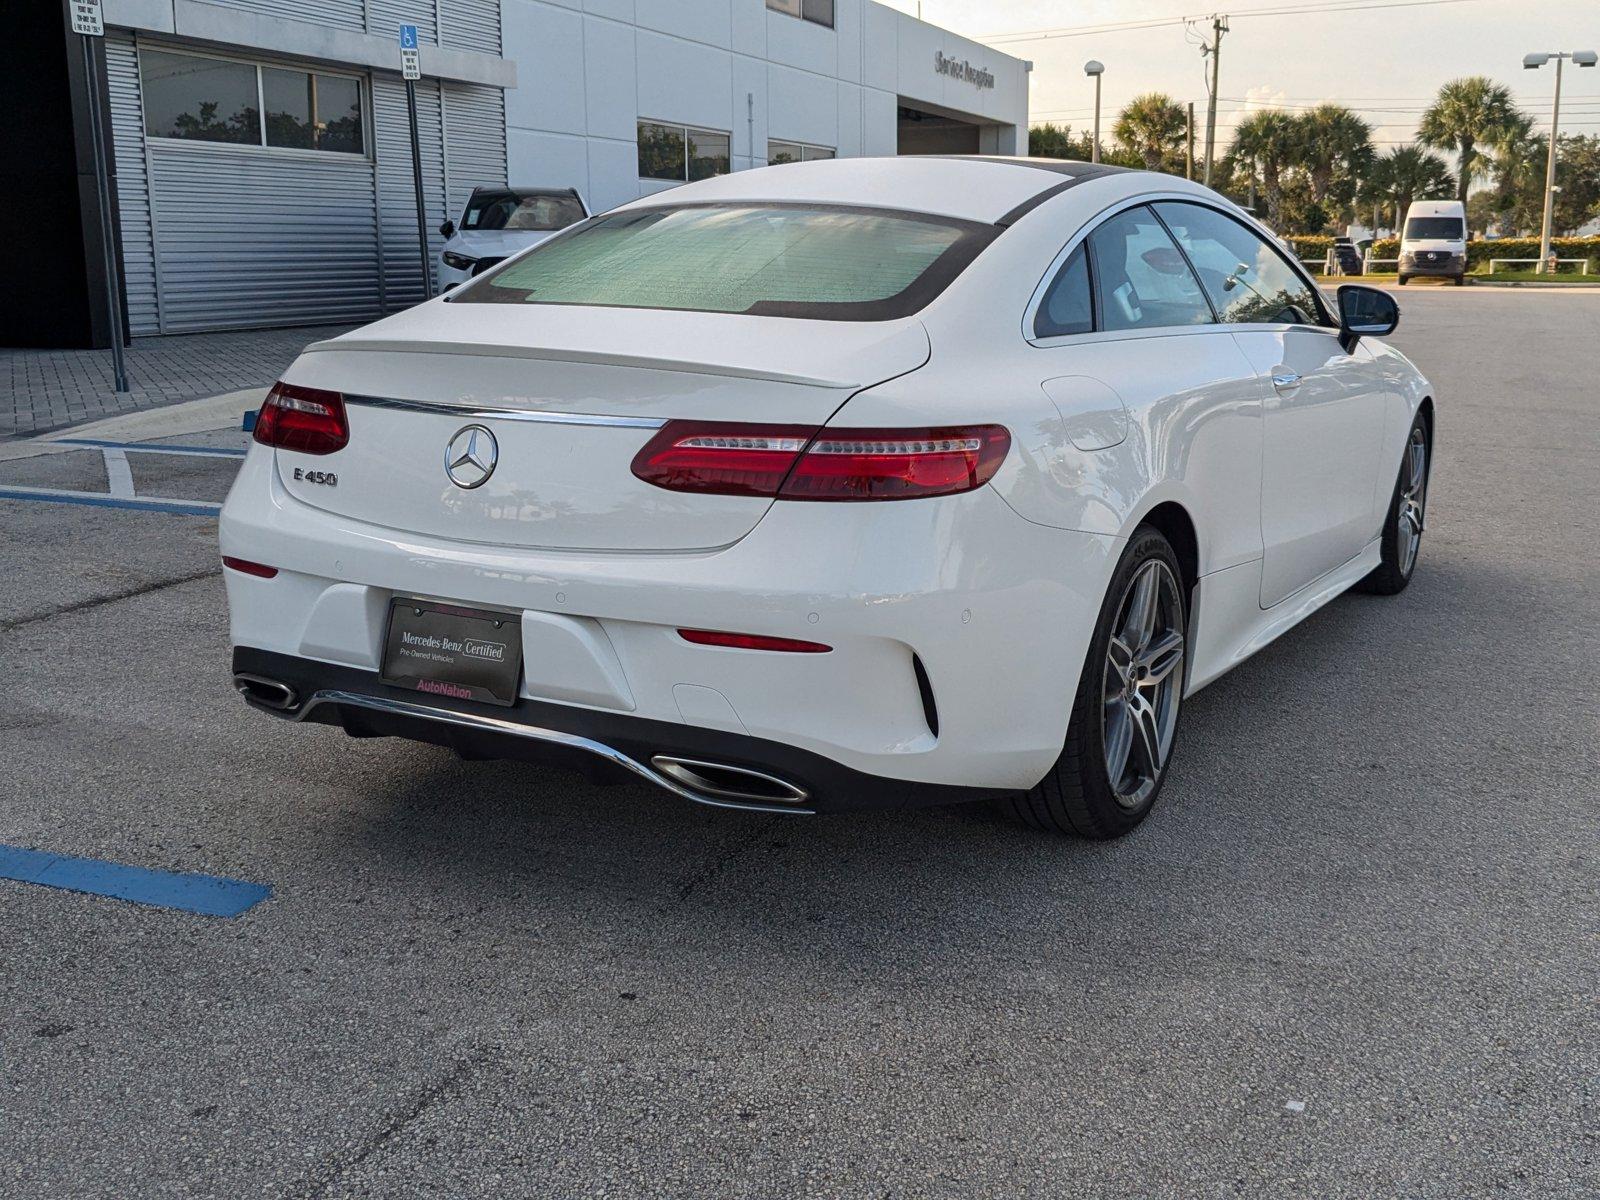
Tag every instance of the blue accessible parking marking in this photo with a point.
(187, 508)
(153, 447)
(208, 895)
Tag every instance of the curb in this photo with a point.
(170, 420)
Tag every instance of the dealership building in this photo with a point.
(261, 148)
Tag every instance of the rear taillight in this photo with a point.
(309, 420)
(896, 464)
(796, 462)
(721, 458)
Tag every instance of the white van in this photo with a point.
(1434, 241)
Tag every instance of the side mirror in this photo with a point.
(1365, 311)
(448, 229)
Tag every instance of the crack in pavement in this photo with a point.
(327, 1174)
(100, 601)
(712, 869)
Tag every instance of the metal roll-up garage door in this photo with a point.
(133, 192)
(218, 235)
(475, 140)
(246, 238)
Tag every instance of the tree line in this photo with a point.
(1307, 171)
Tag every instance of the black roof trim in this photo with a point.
(1078, 172)
(1056, 166)
(506, 189)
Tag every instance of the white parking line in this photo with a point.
(119, 475)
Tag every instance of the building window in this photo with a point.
(200, 99)
(681, 153)
(195, 98)
(308, 111)
(788, 152)
(819, 12)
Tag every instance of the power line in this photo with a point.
(1315, 7)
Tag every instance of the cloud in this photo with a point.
(1264, 96)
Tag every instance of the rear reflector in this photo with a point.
(751, 641)
(245, 566)
(796, 462)
(309, 420)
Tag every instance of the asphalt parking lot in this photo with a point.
(1354, 952)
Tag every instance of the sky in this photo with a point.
(1387, 63)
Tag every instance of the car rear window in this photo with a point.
(820, 261)
(1437, 228)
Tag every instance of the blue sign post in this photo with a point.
(411, 71)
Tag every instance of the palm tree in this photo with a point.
(1151, 126)
(1269, 139)
(1405, 174)
(1519, 159)
(1467, 113)
(1334, 144)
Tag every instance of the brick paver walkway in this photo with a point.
(41, 390)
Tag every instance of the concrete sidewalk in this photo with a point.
(44, 390)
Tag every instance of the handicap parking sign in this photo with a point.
(408, 37)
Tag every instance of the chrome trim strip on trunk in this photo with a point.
(487, 724)
(474, 411)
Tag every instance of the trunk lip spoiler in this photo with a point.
(588, 357)
(490, 412)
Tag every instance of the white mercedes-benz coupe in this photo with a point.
(833, 485)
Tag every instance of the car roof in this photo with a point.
(523, 192)
(986, 188)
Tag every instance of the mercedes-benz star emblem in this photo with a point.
(470, 457)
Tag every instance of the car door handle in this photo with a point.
(1285, 380)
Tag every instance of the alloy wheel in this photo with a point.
(1413, 497)
(1143, 683)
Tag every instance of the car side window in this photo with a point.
(1141, 280)
(1067, 306)
(1245, 276)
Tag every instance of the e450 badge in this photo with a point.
(326, 478)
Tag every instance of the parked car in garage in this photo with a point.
(839, 484)
(497, 222)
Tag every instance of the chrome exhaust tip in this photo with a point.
(729, 784)
(269, 693)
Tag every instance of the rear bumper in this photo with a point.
(707, 766)
(996, 611)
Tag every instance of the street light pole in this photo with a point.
(1532, 62)
(1094, 68)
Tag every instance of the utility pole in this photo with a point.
(1219, 26)
(1188, 153)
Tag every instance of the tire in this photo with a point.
(1460, 279)
(1407, 516)
(1127, 705)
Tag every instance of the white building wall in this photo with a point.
(589, 70)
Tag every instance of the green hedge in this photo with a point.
(1480, 252)
(1310, 245)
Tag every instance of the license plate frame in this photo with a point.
(454, 650)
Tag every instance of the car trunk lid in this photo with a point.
(567, 397)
